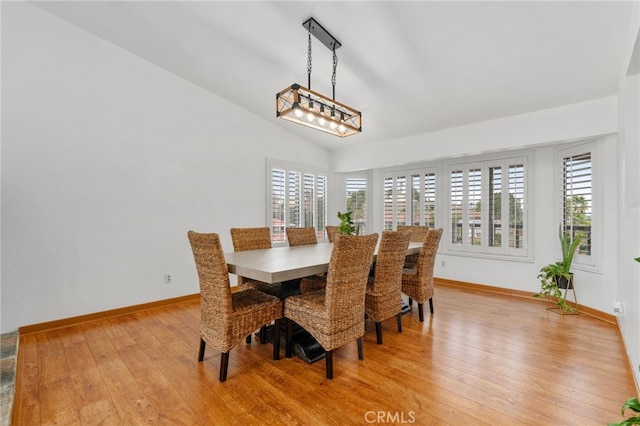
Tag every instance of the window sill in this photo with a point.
(490, 256)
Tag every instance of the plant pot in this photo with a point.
(563, 283)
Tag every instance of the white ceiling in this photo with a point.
(410, 67)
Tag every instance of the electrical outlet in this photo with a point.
(168, 278)
(618, 307)
(443, 264)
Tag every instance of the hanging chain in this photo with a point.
(333, 76)
(309, 60)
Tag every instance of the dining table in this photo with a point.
(288, 265)
(280, 264)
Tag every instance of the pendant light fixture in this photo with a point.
(302, 105)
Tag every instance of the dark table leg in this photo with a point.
(405, 308)
(304, 345)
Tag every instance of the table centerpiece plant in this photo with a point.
(347, 227)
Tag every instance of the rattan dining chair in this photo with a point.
(244, 239)
(304, 237)
(417, 282)
(384, 290)
(334, 315)
(332, 231)
(301, 236)
(228, 317)
(418, 234)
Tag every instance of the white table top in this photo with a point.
(286, 263)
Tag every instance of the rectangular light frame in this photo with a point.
(317, 111)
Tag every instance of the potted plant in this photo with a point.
(634, 405)
(556, 276)
(346, 224)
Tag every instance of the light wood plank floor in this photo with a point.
(481, 359)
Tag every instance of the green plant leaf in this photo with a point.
(628, 422)
(346, 224)
(569, 248)
(637, 259)
(632, 403)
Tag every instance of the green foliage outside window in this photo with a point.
(357, 206)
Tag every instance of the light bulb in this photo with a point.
(332, 123)
(341, 128)
(310, 117)
(296, 109)
(322, 121)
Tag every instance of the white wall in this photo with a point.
(585, 119)
(629, 196)
(107, 161)
(629, 223)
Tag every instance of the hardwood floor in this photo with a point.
(480, 359)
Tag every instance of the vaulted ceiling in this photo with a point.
(410, 67)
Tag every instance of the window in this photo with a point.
(456, 206)
(487, 207)
(278, 197)
(514, 211)
(321, 207)
(298, 198)
(474, 212)
(577, 186)
(495, 207)
(410, 198)
(356, 192)
(516, 206)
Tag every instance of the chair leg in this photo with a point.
(420, 312)
(248, 340)
(379, 332)
(431, 305)
(399, 321)
(224, 365)
(263, 334)
(288, 342)
(410, 302)
(329, 364)
(203, 345)
(360, 354)
(276, 340)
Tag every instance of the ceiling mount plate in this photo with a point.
(321, 34)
